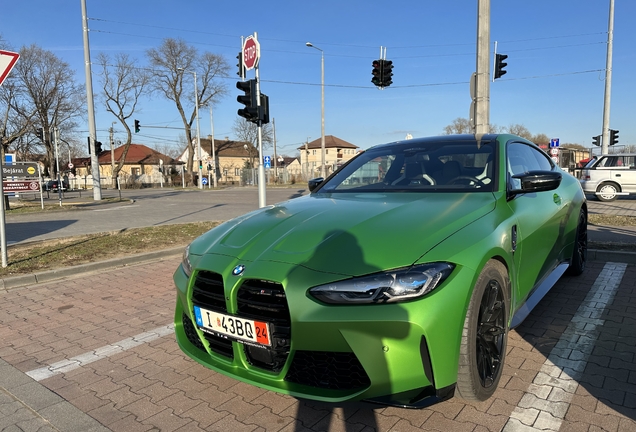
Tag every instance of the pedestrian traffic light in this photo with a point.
(387, 73)
(377, 73)
(250, 112)
(240, 65)
(137, 127)
(98, 147)
(500, 65)
(613, 138)
(596, 140)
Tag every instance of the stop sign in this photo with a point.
(251, 52)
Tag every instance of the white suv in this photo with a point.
(608, 176)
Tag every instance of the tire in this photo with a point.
(607, 192)
(485, 335)
(579, 254)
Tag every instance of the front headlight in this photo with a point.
(185, 262)
(386, 287)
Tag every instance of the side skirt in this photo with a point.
(538, 294)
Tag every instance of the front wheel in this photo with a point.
(485, 334)
(607, 192)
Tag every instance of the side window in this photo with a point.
(522, 158)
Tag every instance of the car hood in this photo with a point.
(346, 234)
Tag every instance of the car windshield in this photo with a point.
(418, 166)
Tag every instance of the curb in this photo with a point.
(50, 275)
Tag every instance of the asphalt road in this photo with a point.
(139, 208)
(150, 207)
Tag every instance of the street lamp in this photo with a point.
(196, 110)
(322, 112)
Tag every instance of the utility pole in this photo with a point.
(97, 190)
(275, 167)
(481, 98)
(213, 147)
(608, 81)
(112, 156)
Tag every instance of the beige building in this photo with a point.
(337, 152)
(232, 157)
(142, 165)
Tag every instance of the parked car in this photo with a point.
(398, 287)
(52, 185)
(609, 176)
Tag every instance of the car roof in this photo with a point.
(455, 138)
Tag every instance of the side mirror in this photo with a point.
(536, 181)
(314, 183)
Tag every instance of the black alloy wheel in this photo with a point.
(491, 332)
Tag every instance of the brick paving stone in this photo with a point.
(130, 424)
(204, 414)
(438, 422)
(167, 421)
(230, 423)
(143, 408)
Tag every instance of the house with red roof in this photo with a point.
(142, 166)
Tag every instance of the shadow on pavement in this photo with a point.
(21, 231)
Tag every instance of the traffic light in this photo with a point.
(98, 147)
(137, 127)
(613, 138)
(377, 73)
(39, 132)
(387, 73)
(250, 112)
(264, 109)
(240, 65)
(500, 65)
(596, 140)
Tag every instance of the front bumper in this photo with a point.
(404, 354)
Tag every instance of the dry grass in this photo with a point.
(66, 252)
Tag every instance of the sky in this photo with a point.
(554, 85)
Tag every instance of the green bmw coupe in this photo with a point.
(396, 280)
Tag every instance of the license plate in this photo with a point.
(242, 329)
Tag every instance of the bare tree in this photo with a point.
(519, 130)
(174, 65)
(246, 131)
(46, 95)
(123, 84)
(458, 126)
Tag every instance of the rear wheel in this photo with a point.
(579, 254)
(607, 192)
(485, 334)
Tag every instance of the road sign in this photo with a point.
(70, 165)
(17, 186)
(251, 52)
(554, 151)
(554, 142)
(29, 169)
(204, 181)
(8, 59)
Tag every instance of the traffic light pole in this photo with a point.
(482, 84)
(261, 168)
(608, 81)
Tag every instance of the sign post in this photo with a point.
(8, 59)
